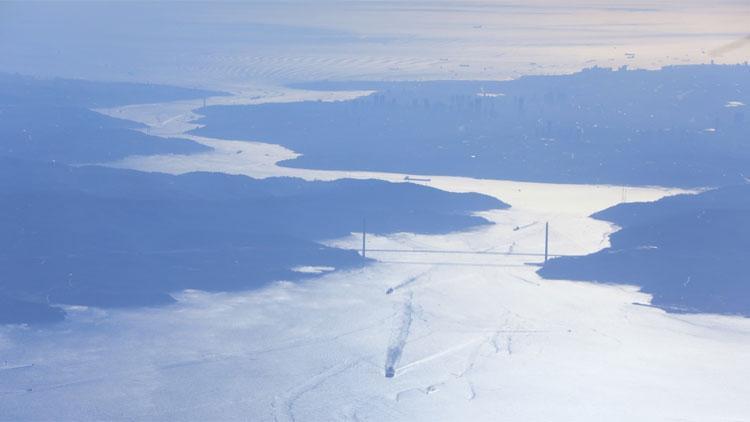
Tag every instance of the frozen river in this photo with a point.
(470, 336)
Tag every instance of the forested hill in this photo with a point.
(678, 126)
(689, 251)
(107, 237)
(52, 120)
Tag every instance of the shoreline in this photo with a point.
(475, 336)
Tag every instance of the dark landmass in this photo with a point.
(20, 89)
(673, 127)
(688, 251)
(87, 235)
(77, 135)
(51, 120)
(108, 237)
(14, 311)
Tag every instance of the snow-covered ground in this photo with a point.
(470, 336)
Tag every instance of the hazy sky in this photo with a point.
(228, 44)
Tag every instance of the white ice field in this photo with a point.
(469, 336)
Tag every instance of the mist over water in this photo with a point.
(236, 44)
